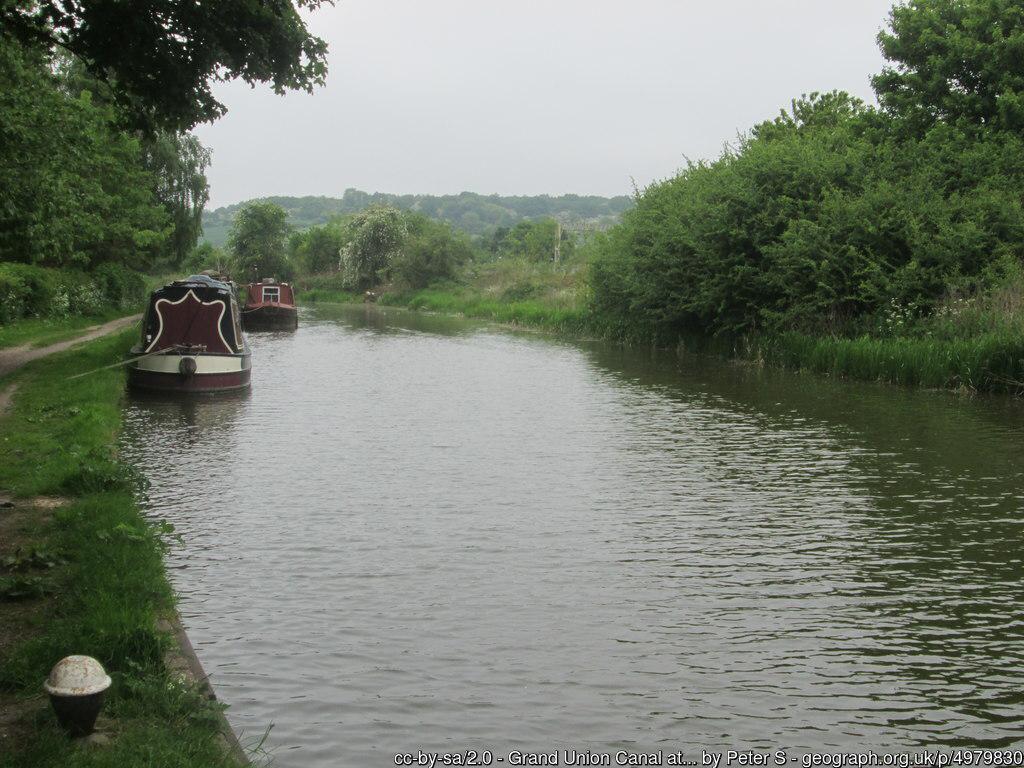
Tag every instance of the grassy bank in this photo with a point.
(460, 301)
(991, 362)
(85, 575)
(39, 331)
(517, 292)
(973, 343)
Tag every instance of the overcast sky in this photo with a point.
(532, 97)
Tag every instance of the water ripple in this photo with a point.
(417, 533)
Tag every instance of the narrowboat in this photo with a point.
(270, 306)
(192, 339)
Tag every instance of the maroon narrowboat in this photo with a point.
(270, 306)
(192, 339)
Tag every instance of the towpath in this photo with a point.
(12, 359)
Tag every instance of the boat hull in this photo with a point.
(270, 318)
(200, 373)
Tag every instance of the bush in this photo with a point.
(318, 249)
(824, 221)
(432, 252)
(120, 287)
(31, 291)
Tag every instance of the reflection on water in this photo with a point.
(421, 533)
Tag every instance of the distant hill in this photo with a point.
(468, 211)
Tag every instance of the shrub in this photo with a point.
(432, 252)
(30, 291)
(120, 287)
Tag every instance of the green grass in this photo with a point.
(513, 291)
(991, 362)
(104, 596)
(327, 296)
(532, 312)
(42, 331)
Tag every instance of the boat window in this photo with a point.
(271, 293)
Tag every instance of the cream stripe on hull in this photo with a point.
(204, 363)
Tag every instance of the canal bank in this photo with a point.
(83, 572)
(989, 360)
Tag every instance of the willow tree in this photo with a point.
(376, 237)
(178, 163)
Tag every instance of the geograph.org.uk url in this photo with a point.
(963, 757)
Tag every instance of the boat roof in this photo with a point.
(200, 281)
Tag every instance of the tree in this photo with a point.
(317, 249)
(73, 191)
(160, 56)
(178, 162)
(377, 234)
(204, 257)
(955, 60)
(431, 252)
(256, 241)
(533, 240)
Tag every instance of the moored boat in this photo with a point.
(192, 339)
(270, 306)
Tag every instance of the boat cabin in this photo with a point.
(270, 306)
(269, 291)
(198, 312)
(191, 339)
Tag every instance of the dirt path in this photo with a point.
(13, 358)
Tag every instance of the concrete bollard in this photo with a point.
(77, 685)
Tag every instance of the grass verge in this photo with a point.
(992, 362)
(512, 291)
(327, 296)
(532, 312)
(87, 577)
(40, 332)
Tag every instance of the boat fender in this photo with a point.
(187, 366)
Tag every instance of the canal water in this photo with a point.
(419, 532)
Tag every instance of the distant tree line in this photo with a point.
(379, 245)
(836, 216)
(475, 214)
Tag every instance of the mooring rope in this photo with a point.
(125, 362)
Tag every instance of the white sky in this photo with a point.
(532, 97)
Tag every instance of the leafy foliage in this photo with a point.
(377, 246)
(377, 235)
(470, 212)
(835, 218)
(31, 291)
(161, 58)
(73, 190)
(206, 257)
(532, 240)
(317, 250)
(257, 242)
(179, 162)
(955, 61)
(432, 252)
(81, 196)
